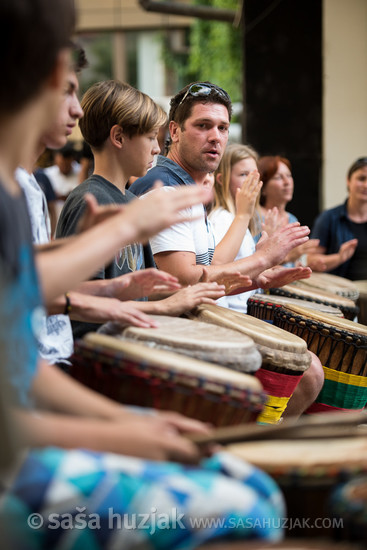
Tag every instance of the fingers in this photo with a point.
(184, 424)
(91, 202)
(205, 276)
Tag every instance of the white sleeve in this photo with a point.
(178, 237)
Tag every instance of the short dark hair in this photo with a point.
(181, 110)
(357, 165)
(32, 32)
(79, 58)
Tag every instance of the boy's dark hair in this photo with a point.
(182, 103)
(32, 32)
(78, 56)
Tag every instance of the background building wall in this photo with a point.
(345, 93)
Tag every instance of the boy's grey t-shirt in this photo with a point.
(128, 259)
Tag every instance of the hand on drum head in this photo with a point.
(276, 247)
(188, 298)
(278, 276)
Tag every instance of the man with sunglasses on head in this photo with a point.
(199, 121)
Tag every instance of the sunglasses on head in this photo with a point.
(201, 89)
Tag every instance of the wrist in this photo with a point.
(68, 307)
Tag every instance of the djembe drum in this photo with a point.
(135, 374)
(302, 292)
(218, 345)
(284, 356)
(262, 306)
(349, 503)
(341, 346)
(307, 472)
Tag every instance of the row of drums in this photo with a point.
(227, 368)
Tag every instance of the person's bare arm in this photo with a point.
(63, 269)
(131, 286)
(56, 391)
(270, 252)
(96, 309)
(154, 438)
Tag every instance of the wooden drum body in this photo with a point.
(135, 374)
(301, 291)
(284, 356)
(218, 345)
(308, 471)
(341, 346)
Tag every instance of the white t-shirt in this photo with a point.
(55, 337)
(195, 235)
(62, 184)
(221, 220)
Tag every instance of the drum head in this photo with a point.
(329, 320)
(299, 290)
(165, 362)
(277, 346)
(333, 283)
(261, 332)
(277, 300)
(213, 344)
(309, 457)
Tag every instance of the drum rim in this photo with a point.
(350, 306)
(266, 300)
(339, 324)
(218, 313)
(108, 344)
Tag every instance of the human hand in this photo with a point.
(317, 262)
(233, 281)
(189, 297)
(276, 247)
(347, 250)
(97, 309)
(278, 276)
(271, 221)
(141, 283)
(95, 213)
(246, 195)
(309, 247)
(163, 207)
(157, 437)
